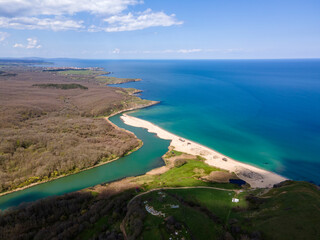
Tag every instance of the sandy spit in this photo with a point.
(256, 177)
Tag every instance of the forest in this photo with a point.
(66, 217)
(60, 86)
(57, 128)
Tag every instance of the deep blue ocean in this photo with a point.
(262, 112)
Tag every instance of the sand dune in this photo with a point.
(256, 177)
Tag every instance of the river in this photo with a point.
(137, 163)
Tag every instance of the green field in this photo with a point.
(98, 76)
(86, 72)
(187, 175)
(114, 80)
(290, 212)
(172, 153)
(131, 91)
(200, 214)
(286, 213)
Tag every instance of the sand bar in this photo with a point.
(256, 177)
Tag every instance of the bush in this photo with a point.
(180, 162)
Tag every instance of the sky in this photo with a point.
(160, 29)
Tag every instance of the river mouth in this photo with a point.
(137, 163)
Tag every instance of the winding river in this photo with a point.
(137, 163)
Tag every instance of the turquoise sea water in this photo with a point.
(262, 112)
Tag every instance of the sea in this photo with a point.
(262, 112)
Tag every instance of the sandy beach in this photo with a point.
(256, 177)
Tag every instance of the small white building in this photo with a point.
(174, 206)
(235, 200)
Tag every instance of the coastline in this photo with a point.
(256, 177)
(97, 165)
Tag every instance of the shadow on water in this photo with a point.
(137, 163)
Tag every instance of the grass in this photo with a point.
(289, 212)
(197, 224)
(132, 91)
(188, 174)
(201, 212)
(184, 215)
(114, 80)
(172, 153)
(85, 72)
(96, 74)
(286, 213)
(217, 201)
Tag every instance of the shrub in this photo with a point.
(180, 162)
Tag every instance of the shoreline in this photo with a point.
(99, 164)
(256, 177)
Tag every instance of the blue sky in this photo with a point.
(160, 29)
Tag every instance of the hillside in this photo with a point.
(160, 207)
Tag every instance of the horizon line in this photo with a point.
(166, 59)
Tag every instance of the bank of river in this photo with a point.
(137, 163)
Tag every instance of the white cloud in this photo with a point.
(189, 50)
(31, 43)
(57, 15)
(18, 45)
(31, 23)
(3, 36)
(116, 51)
(13, 8)
(140, 21)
